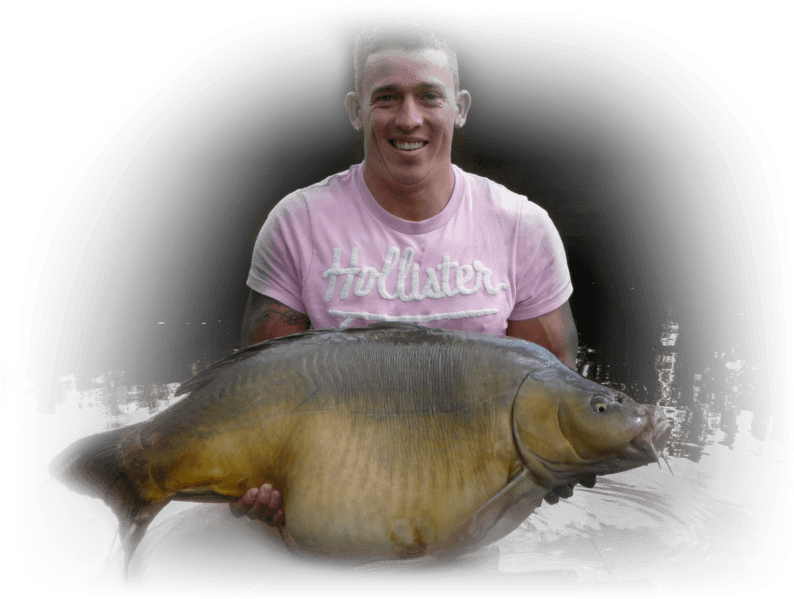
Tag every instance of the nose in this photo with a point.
(410, 115)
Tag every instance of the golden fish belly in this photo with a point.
(394, 487)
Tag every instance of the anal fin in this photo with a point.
(132, 529)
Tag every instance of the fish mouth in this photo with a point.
(645, 447)
(648, 446)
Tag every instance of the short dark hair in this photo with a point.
(404, 35)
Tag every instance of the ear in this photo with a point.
(463, 103)
(353, 109)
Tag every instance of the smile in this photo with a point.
(414, 145)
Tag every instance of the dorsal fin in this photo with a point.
(201, 379)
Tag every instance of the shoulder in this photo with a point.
(327, 192)
(335, 186)
(507, 202)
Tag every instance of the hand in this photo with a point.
(263, 503)
(566, 491)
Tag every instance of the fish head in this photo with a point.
(567, 427)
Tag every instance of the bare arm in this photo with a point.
(556, 331)
(266, 318)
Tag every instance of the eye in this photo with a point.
(384, 98)
(432, 96)
(599, 404)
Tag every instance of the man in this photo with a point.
(407, 236)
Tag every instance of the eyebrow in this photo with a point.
(424, 86)
(383, 88)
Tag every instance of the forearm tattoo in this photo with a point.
(265, 308)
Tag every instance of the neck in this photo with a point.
(413, 201)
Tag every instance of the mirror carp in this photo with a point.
(430, 442)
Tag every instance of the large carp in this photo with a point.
(429, 441)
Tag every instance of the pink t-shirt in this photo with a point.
(331, 252)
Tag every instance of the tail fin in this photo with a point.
(92, 466)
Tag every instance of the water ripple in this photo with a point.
(650, 526)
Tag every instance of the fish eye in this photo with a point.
(599, 404)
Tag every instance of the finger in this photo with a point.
(278, 519)
(551, 497)
(262, 501)
(267, 501)
(588, 480)
(242, 506)
(273, 510)
(564, 491)
(275, 501)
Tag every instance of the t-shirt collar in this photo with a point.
(407, 226)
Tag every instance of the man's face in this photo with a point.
(408, 108)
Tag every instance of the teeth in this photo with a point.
(409, 146)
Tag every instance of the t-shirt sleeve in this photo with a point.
(543, 279)
(276, 261)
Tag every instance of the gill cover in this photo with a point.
(536, 425)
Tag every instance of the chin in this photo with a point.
(409, 178)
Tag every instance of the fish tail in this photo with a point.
(93, 466)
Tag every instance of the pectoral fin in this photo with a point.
(506, 510)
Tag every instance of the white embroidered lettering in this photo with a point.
(486, 276)
(462, 276)
(445, 267)
(405, 263)
(335, 271)
(432, 288)
(366, 281)
(389, 262)
(415, 293)
(351, 272)
(447, 280)
(331, 273)
(350, 317)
